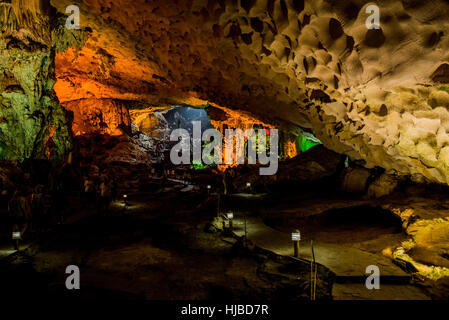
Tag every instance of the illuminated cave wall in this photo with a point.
(105, 116)
(150, 122)
(296, 142)
(306, 141)
(377, 96)
(32, 122)
(223, 118)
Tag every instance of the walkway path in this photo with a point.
(6, 245)
(349, 264)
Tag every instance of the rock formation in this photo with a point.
(99, 115)
(99, 93)
(377, 95)
(32, 122)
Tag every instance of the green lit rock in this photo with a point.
(64, 38)
(32, 122)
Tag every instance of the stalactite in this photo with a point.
(8, 20)
(32, 15)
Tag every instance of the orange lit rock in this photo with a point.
(223, 118)
(308, 65)
(98, 115)
(290, 150)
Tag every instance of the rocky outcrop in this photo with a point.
(105, 116)
(105, 150)
(32, 123)
(312, 166)
(154, 125)
(355, 180)
(384, 185)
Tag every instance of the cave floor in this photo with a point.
(350, 233)
(157, 248)
(348, 263)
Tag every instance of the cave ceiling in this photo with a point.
(375, 95)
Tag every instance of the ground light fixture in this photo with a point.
(248, 185)
(230, 216)
(16, 236)
(296, 237)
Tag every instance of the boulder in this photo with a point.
(309, 167)
(355, 180)
(382, 186)
(215, 226)
(313, 165)
(154, 125)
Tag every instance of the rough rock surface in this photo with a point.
(382, 186)
(355, 180)
(99, 115)
(105, 150)
(310, 167)
(376, 95)
(153, 125)
(32, 123)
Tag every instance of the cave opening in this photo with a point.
(152, 129)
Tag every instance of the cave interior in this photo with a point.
(353, 120)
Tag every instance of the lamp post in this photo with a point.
(125, 200)
(218, 204)
(248, 185)
(16, 236)
(230, 216)
(296, 237)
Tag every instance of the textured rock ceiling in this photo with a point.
(374, 95)
(369, 94)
